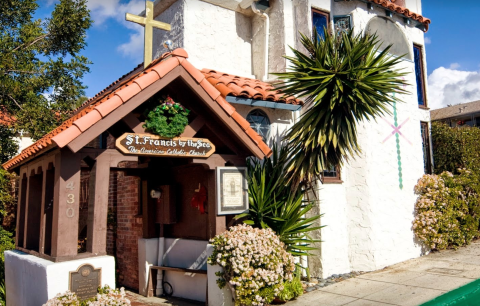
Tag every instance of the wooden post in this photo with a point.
(22, 196)
(42, 209)
(66, 204)
(98, 199)
(98, 206)
(216, 224)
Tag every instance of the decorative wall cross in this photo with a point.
(397, 133)
(148, 22)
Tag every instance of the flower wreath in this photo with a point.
(168, 119)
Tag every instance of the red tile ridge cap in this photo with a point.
(403, 11)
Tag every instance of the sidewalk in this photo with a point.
(412, 282)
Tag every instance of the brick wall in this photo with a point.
(128, 228)
(125, 226)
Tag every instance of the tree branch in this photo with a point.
(15, 101)
(33, 42)
(22, 71)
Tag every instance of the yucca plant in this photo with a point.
(344, 79)
(273, 204)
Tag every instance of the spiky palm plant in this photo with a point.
(345, 79)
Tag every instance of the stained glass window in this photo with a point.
(417, 53)
(319, 21)
(342, 23)
(260, 123)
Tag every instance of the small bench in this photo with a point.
(152, 276)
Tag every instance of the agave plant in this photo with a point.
(345, 79)
(273, 204)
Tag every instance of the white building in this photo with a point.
(368, 204)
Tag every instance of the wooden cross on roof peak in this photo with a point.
(148, 22)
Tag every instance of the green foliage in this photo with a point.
(7, 199)
(291, 289)
(455, 148)
(273, 204)
(40, 66)
(168, 119)
(447, 211)
(8, 146)
(345, 80)
(6, 243)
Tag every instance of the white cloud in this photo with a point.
(102, 10)
(134, 47)
(450, 86)
(454, 66)
(428, 40)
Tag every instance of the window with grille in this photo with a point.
(427, 160)
(342, 23)
(260, 123)
(332, 175)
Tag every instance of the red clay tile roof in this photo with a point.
(228, 84)
(120, 92)
(390, 5)
(5, 119)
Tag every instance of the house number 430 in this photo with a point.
(70, 200)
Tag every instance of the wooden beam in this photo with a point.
(122, 111)
(193, 127)
(219, 160)
(229, 122)
(133, 123)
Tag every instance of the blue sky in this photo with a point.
(116, 46)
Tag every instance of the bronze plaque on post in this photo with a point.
(153, 145)
(85, 281)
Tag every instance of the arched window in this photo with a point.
(390, 34)
(260, 123)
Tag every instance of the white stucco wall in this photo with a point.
(375, 214)
(23, 142)
(178, 253)
(31, 281)
(367, 217)
(214, 37)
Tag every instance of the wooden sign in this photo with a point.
(153, 145)
(85, 281)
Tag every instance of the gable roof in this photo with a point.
(391, 6)
(455, 110)
(119, 93)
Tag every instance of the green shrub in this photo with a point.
(291, 289)
(254, 264)
(273, 204)
(455, 148)
(447, 211)
(7, 200)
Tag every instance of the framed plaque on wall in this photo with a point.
(232, 190)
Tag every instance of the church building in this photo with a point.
(104, 201)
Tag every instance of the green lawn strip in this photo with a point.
(466, 295)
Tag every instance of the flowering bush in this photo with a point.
(447, 211)
(255, 264)
(105, 297)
